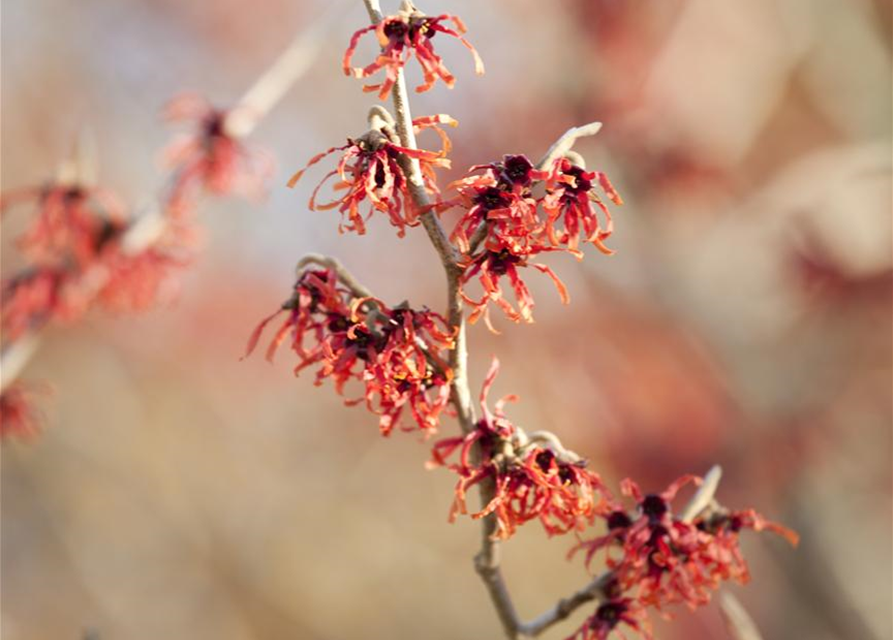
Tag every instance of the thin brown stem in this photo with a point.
(449, 257)
(487, 561)
(345, 276)
(566, 606)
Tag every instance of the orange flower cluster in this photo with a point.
(502, 227)
(396, 354)
(401, 36)
(531, 481)
(369, 171)
(658, 559)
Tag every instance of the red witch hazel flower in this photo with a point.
(610, 615)
(132, 282)
(71, 224)
(18, 415)
(395, 354)
(318, 306)
(501, 217)
(37, 296)
(408, 371)
(490, 266)
(666, 560)
(532, 481)
(500, 198)
(402, 35)
(502, 228)
(570, 196)
(211, 159)
(369, 171)
(723, 554)
(73, 230)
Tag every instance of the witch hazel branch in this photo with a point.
(408, 365)
(84, 249)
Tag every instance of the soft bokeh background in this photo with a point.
(179, 493)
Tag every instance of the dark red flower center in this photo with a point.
(213, 125)
(654, 506)
(517, 169)
(108, 231)
(500, 262)
(609, 615)
(544, 460)
(73, 194)
(396, 30)
(337, 323)
(492, 198)
(582, 184)
(619, 520)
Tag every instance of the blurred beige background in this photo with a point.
(179, 493)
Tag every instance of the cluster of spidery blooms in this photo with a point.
(401, 36)
(511, 211)
(533, 478)
(81, 249)
(396, 355)
(504, 226)
(369, 172)
(657, 558)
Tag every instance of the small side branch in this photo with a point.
(702, 499)
(291, 64)
(345, 276)
(566, 606)
(15, 356)
(739, 623)
(564, 144)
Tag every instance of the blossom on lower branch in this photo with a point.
(657, 558)
(396, 354)
(610, 614)
(530, 481)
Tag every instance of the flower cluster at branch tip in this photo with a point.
(397, 354)
(533, 478)
(502, 227)
(657, 558)
(369, 171)
(19, 417)
(210, 159)
(401, 36)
